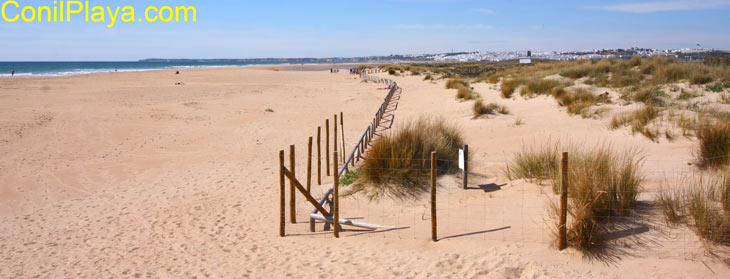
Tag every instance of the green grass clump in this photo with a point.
(716, 87)
(714, 144)
(456, 84)
(428, 77)
(539, 86)
(349, 177)
(398, 164)
(688, 94)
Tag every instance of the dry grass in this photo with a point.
(603, 183)
(638, 119)
(509, 86)
(398, 164)
(577, 101)
(714, 144)
(535, 164)
(428, 77)
(480, 108)
(456, 84)
(465, 93)
(703, 205)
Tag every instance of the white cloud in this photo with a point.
(443, 27)
(663, 6)
(484, 11)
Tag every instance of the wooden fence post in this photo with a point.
(327, 145)
(334, 142)
(319, 155)
(466, 166)
(562, 227)
(336, 198)
(309, 167)
(292, 191)
(433, 197)
(342, 129)
(282, 198)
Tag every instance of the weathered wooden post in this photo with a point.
(336, 198)
(282, 198)
(309, 167)
(342, 130)
(433, 197)
(319, 156)
(327, 145)
(334, 143)
(292, 190)
(562, 228)
(466, 166)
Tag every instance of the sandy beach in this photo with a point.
(158, 175)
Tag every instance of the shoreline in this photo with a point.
(288, 67)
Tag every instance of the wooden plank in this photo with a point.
(301, 189)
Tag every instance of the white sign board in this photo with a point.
(525, 61)
(461, 159)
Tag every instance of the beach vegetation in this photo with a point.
(398, 164)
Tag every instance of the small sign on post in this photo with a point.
(464, 165)
(461, 159)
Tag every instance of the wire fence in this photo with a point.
(491, 207)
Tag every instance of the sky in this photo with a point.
(318, 28)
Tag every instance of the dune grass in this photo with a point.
(603, 183)
(638, 119)
(456, 84)
(480, 108)
(537, 164)
(398, 164)
(703, 204)
(509, 86)
(577, 101)
(714, 144)
(465, 93)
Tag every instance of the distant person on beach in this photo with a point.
(12, 72)
(115, 69)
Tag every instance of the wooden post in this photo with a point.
(309, 175)
(336, 198)
(334, 143)
(292, 191)
(562, 228)
(466, 166)
(309, 167)
(342, 130)
(319, 155)
(327, 145)
(282, 198)
(433, 197)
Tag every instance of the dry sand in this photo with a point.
(130, 175)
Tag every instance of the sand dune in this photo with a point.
(130, 175)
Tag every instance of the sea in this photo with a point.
(80, 68)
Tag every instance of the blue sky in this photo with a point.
(250, 29)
